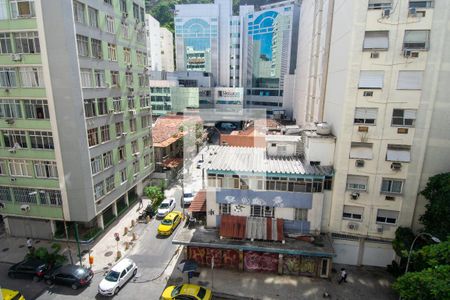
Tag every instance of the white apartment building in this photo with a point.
(167, 59)
(377, 71)
(154, 46)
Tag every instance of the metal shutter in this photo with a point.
(376, 40)
(384, 213)
(409, 114)
(361, 151)
(371, 79)
(353, 209)
(409, 80)
(353, 179)
(401, 155)
(366, 113)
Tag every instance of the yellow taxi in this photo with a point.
(169, 223)
(186, 291)
(12, 295)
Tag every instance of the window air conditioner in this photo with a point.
(359, 163)
(129, 66)
(412, 12)
(396, 166)
(352, 226)
(132, 112)
(386, 13)
(407, 53)
(375, 55)
(124, 133)
(25, 208)
(354, 195)
(124, 15)
(16, 57)
(380, 229)
(136, 154)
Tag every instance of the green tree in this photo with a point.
(154, 193)
(404, 237)
(436, 217)
(50, 257)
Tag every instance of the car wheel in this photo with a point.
(36, 278)
(12, 275)
(74, 287)
(116, 291)
(134, 272)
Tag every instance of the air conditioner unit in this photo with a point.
(136, 154)
(2, 205)
(380, 228)
(407, 53)
(129, 66)
(359, 163)
(6, 90)
(132, 112)
(354, 195)
(396, 166)
(130, 89)
(124, 15)
(386, 13)
(13, 179)
(111, 110)
(412, 12)
(12, 150)
(124, 133)
(25, 208)
(10, 121)
(352, 226)
(16, 57)
(375, 55)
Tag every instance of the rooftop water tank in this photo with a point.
(323, 128)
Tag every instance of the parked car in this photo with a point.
(188, 196)
(166, 207)
(12, 295)
(186, 291)
(117, 277)
(148, 211)
(29, 268)
(71, 275)
(228, 126)
(169, 223)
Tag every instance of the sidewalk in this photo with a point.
(362, 283)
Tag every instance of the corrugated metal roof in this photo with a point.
(246, 159)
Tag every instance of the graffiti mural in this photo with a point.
(308, 266)
(259, 261)
(222, 258)
(230, 259)
(217, 254)
(197, 254)
(291, 265)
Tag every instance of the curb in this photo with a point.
(7, 262)
(231, 297)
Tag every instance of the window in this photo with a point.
(83, 45)
(117, 106)
(109, 2)
(5, 194)
(371, 79)
(110, 27)
(376, 40)
(99, 190)
(22, 9)
(23, 195)
(36, 109)
(109, 183)
(398, 153)
(31, 77)
(96, 46)
(361, 150)
(262, 211)
(352, 212)
(119, 129)
(385, 216)
(123, 175)
(19, 168)
(136, 11)
(129, 78)
(125, 32)
(93, 17)
(112, 54)
(403, 117)
(380, 4)
(92, 136)
(14, 139)
(102, 106)
(365, 115)
(10, 109)
(409, 80)
(147, 160)
(420, 4)
(136, 168)
(96, 164)
(144, 101)
(416, 39)
(123, 6)
(86, 78)
(89, 108)
(140, 58)
(121, 151)
(392, 186)
(301, 214)
(115, 78)
(107, 159)
(134, 147)
(99, 77)
(104, 133)
(27, 42)
(142, 13)
(357, 183)
(142, 79)
(133, 125)
(130, 101)
(224, 208)
(78, 11)
(41, 139)
(49, 197)
(5, 43)
(146, 121)
(8, 77)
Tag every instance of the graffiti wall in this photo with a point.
(299, 265)
(260, 261)
(223, 258)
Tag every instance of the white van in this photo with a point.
(117, 277)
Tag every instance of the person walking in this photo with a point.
(30, 244)
(141, 203)
(343, 276)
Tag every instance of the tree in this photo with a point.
(154, 193)
(50, 257)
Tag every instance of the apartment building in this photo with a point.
(153, 33)
(167, 55)
(168, 97)
(375, 71)
(75, 113)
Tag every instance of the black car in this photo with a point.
(71, 275)
(29, 268)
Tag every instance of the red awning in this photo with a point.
(199, 202)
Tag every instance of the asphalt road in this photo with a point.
(151, 254)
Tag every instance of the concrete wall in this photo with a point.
(320, 149)
(167, 54)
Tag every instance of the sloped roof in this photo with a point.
(199, 202)
(167, 129)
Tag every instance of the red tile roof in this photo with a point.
(167, 128)
(199, 202)
(172, 162)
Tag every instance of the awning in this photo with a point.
(259, 228)
(199, 202)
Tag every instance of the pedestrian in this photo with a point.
(141, 203)
(30, 244)
(343, 276)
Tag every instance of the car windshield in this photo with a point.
(112, 276)
(176, 291)
(164, 205)
(166, 222)
(187, 195)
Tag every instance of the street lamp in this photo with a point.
(435, 239)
